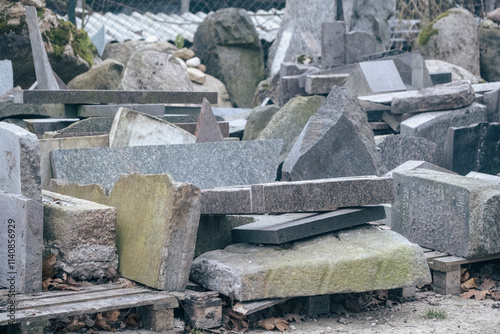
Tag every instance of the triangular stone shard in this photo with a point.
(207, 129)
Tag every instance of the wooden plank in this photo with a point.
(246, 308)
(433, 255)
(449, 263)
(391, 121)
(50, 294)
(91, 307)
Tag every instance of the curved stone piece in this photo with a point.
(356, 260)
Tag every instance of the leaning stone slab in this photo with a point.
(473, 148)
(7, 82)
(22, 221)
(132, 128)
(39, 126)
(11, 109)
(206, 165)
(365, 78)
(92, 126)
(19, 162)
(207, 129)
(295, 226)
(300, 196)
(449, 213)
(357, 260)
(82, 235)
(337, 141)
(434, 125)
(449, 96)
(156, 224)
(50, 144)
(332, 44)
(109, 110)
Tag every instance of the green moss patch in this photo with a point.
(429, 30)
(6, 28)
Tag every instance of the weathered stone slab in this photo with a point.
(258, 120)
(81, 234)
(206, 165)
(473, 148)
(49, 144)
(300, 196)
(396, 150)
(42, 125)
(337, 141)
(365, 78)
(454, 95)
(413, 71)
(289, 87)
(332, 44)
(434, 125)
(359, 44)
(491, 100)
(19, 162)
(377, 259)
(295, 226)
(439, 78)
(10, 109)
(92, 126)
(449, 213)
(22, 221)
(132, 128)
(485, 177)
(207, 129)
(158, 251)
(415, 164)
(115, 96)
(44, 75)
(109, 110)
(323, 83)
(7, 82)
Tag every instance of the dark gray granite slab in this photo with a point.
(115, 96)
(332, 44)
(206, 165)
(290, 227)
(7, 82)
(109, 110)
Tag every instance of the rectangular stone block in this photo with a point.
(21, 242)
(7, 81)
(109, 110)
(323, 83)
(294, 226)
(206, 165)
(19, 162)
(491, 100)
(82, 234)
(203, 309)
(115, 96)
(449, 213)
(299, 196)
(289, 87)
(358, 45)
(332, 44)
(365, 78)
(439, 78)
(485, 177)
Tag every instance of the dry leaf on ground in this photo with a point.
(478, 295)
(465, 275)
(75, 325)
(469, 284)
(134, 320)
(112, 316)
(101, 322)
(496, 296)
(48, 265)
(295, 317)
(272, 322)
(488, 284)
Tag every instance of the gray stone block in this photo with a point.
(415, 164)
(458, 94)
(358, 45)
(439, 78)
(7, 82)
(40, 126)
(449, 213)
(434, 125)
(109, 110)
(207, 129)
(92, 126)
(258, 120)
(323, 83)
(10, 109)
(377, 259)
(491, 100)
(365, 79)
(82, 235)
(206, 165)
(337, 141)
(485, 177)
(332, 44)
(19, 162)
(295, 226)
(22, 221)
(289, 88)
(473, 148)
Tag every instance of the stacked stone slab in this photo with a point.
(7, 82)
(449, 213)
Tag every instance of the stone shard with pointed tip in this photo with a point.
(207, 129)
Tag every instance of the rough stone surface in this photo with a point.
(375, 260)
(39, 126)
(413, 71)
(365, 78)
(206, 165)
(300, 31)
(49, 144)
(449, 96)
(396, 150)
(491, 100)
(473, 148)
(457, 72)
(358, 45)
(213, 84)
(434, 125)
(169, 75)
(22, 219)
(110, 110)
(337, 141)
(258, 120)
(485, 177)
(106, 75)
(299, 196)
(415, 164)
(489, 41)
(85, 127)
(332, 44)
(288, 122)
(228, 44)
(196, 75)
(7, 82)
(295, 226)
(19, 162)
(159, 251)
(207, 129)
(191, 126)
(460, 217)
(323, 83)
(132, 128)
(81, 234)
(443, 41)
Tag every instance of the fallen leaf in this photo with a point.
(75, 325)
(272, 322)
(46, 284)
(295, 317)
(100, 322)
(112, 316)
(71, 281)
(488, 284)
(240, 324)
(465, 275)
(125, 283)
(496, 296)
(48, 265)
(133, 320)
(478, 295)
(469, 284)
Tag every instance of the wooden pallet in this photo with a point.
(155, 307)
(446, 270)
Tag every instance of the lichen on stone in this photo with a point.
(429, 30)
